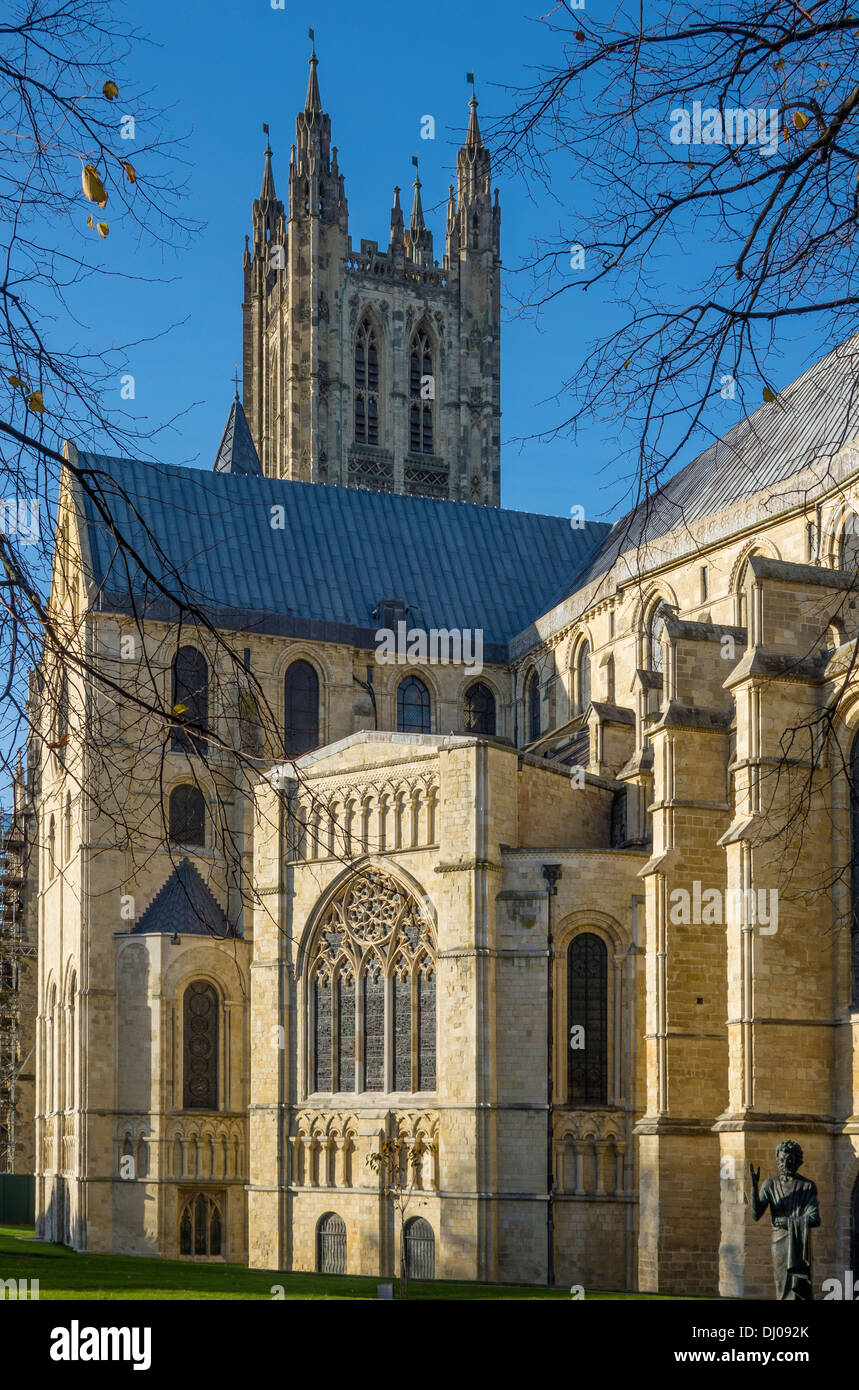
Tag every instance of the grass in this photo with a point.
(65, 1275)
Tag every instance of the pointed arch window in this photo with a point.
(587, 1020)
(301, 709)
(413, 707)
(479, 711)
(67, 828)
(186, 821)
(609, 680)
(201, 1225)
(532, 707)
(421, 394)
(366, 385)
(190, 701)
(583, 676)
(200, 1047)
(375, 948)
(654, 653)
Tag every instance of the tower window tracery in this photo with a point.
(366, 385)
(421, 394)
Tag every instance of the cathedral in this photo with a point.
(559, 918)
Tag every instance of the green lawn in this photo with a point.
(62, 1274)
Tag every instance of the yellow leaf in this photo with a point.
(800, 120)
(769, 396)
(34, 402)
(179, 709)
(626, 363)
(92, 186)
(90, 222)
(102, 229)
(779, 64)
(110, 90)
(130, 173)
(15, 381)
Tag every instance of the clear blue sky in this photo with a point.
(227, 66)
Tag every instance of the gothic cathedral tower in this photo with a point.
(375, 369)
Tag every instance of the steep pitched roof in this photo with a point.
(236, 452)
(338, 553)
(185, 905)
(810, 420)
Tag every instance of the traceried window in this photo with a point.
(413, 707)
(479, 711)
(187, 816)
(587, 1020)
(654, 653)
(583, 676)
(190, 701)
(201, 1225)
(421, 395)
(331, 1244)
(532, 707)
(200, 1047)
(374, 948)
(366, 385)
(301, 709)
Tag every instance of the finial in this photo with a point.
(469, 77)
(417, 182)
(236, 380)
(267, 141)
(312, 36)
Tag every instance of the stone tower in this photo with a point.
(370, 368)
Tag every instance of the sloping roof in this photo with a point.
(337, 554)
(236, 452)
(809, 422)
(185, 905)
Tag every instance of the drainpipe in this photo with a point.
(551, 873)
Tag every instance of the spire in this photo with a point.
(236, 452)
(472, 139)
(417, 224)
(267, 193)
(313, 102)
(396, 210)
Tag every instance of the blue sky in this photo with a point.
(225, 67)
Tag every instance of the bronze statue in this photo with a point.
(792, 1201)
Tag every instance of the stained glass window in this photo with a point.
(532, 705)
(402, 1033)
(374, 1030)
(584, 676)
(421, 388)
(374, 931)
(345, 1033)
(322, 1012)
(426, 1030)
(366, 385)
(200, 1037)
(587, 1020)
(187, 816)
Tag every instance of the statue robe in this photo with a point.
(794, 1210)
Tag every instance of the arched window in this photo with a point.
(609, 680)
(654, 654)
(479, 712)
(374, 944)
(848, 558)
(62, 722)
(186, 821)
(587, 1020)
(420, 1248)
(413, 707)
(583, 676)
(366, 385)
(854, 1229)
(421, 394)
(300, 709)
(532, 707)
(190, 701)
(250, 725)
(854, 875)
(200, 1047)
(67, 828)
(201, 1225)
(331, 1244)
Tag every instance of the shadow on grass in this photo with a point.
(66, 1275)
